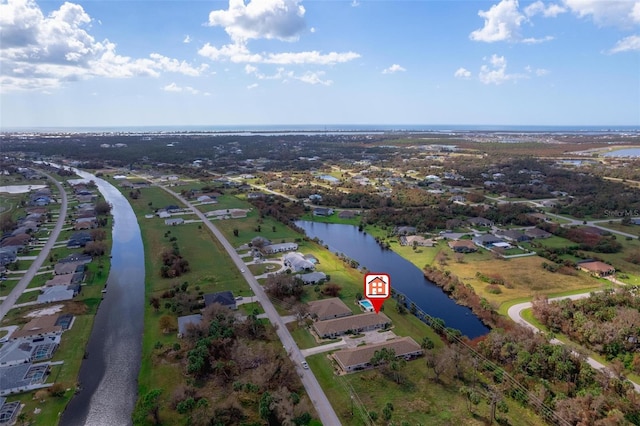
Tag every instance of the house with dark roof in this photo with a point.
(404, 230)
(313, 277)
(330, 329)
(326, 309)
(537, 233)
(359, 358)
(8, 411)
(513, 235)
(322, 211)
(79, 239)
(224, 298)
(347, 214)
(43, 326)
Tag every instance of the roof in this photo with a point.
(537, 233)
(463, 244)
(298, 262)
(353, 322)
(313, 277)
(362, 354)
(274, 248)
(65, 279)
(478, 221)
(77, 257)
(22, 375)
(487, 238)
(57, 293)
(184, 321)
(225, 298)
(596, 266)
(39, 325)
(328, 308)
(68, 267)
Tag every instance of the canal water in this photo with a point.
(109, 375)
(406, 278)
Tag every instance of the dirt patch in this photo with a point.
(50, 310)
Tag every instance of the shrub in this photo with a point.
(494, 289)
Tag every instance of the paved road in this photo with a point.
(316, 394)
(515, 314)
(11, 299)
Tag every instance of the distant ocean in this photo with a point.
(333, 128)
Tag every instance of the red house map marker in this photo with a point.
(377, 288)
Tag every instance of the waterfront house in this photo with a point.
(359, 358)
(330, 329)
(224, 298)
(326, 309)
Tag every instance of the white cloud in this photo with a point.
(187, 39)
(355, 3)
(252, 86)
(538, 72)
(532, 40)
(627, 44)
(42, 52)
(239, 53)
(548, 11)
(462, 73)
(501, 23)
(620, 13)
(496, 71)
(258, 19)
(173, 87)
(309, 77)
(312, 30)
(393, 69)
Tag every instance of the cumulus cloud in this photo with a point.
(187, 39)
(355, 3)
(548, 11)
(42, 52)
(252, 86)
(462, 73)
(627, 44)
(258, 19)
(495, 72)
(620, 13)
(501, 23)
(393, 69)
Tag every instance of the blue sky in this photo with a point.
(504, 62)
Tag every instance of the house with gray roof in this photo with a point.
(330, 329)
(22, 351)
(487, 240)
(56, 293)
(280, 248)
(185, 321)
(8, 411)
(313, 277)
(23, 378)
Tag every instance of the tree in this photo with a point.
(167, 323)
(332, 290)
(95, 248)
(235, 232)
(155, 302)
(102, 208)
(148, 405)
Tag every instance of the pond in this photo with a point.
(406, 278)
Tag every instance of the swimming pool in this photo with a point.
(366, 305)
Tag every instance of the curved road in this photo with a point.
(316, 394)
(515, 313)
(11, 299)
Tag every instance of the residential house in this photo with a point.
(22, 377)
(20, 240)
(322, 211)
(326, 309)
(8, 411)
(597, 268)
(22, 351)
(188, 320)
(369, 321)
(56, 294)
(76, 257)
(416, 240)
(65, 280)
(256, 195)
(79, 239)
(224, 298)
(43, 326)
(513, 235)
(8, 255)
(463, 246)
(297, 262)
(359, 358)
(174, 221)
(280, 248)
(480, 221)
(313, 277)
(537, 233)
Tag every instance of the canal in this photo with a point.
(108, 376)
(406, 278)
